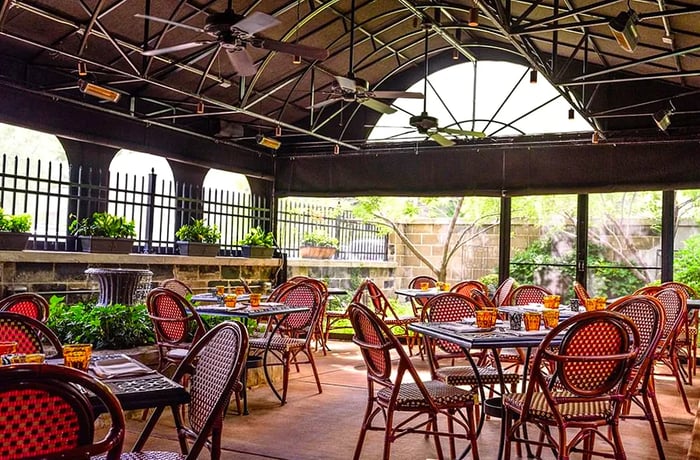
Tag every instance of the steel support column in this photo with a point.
(504, 240)
(581, 238)
(667, 231)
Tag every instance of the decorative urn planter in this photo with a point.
(191, 248)
(106, 245)
(13, 241)
(317, 252)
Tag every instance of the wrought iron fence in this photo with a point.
(357, 240)
(54, 193)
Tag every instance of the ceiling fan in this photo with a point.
(427, 125)
(233, 33)
(352, 89)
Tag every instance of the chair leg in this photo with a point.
(315, 371)
(679, 382)
(657, 411)
(649, 415)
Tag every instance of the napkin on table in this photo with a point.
(120, 367)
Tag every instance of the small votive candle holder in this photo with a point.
(255, 300)
(77, 356)
(532, 320)
(486, 318)
(551, 318)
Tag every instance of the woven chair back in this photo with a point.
(648, 315)
(449, 307)
(581, 293)
(27, 304)
(173, 317)
(502, 292)
(527, 293)
(177, 286)
(675, 310)
(32, 336)
(46, 414)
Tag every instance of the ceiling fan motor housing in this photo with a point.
(221, 22)
(423, 122)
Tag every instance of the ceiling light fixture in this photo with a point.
(336, 149)
(268, 142)
(571, 114)
(533, 76)
(296, 60)
(82, 69)
(455, 55)
(98, 91)
(624, 29)
(278, 131)
(473, 17)
(597, 137)
(200, 107)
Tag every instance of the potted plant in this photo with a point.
(257, 243)
(318, 245)
(198, 239)
(104, 232)
(14, 231)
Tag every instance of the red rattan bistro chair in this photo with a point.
(32, 336)
(211, 370)
(686, 341)
(178, 286)
(527, 293)
(177, 325)
(47, 415)
(467, 287)
(581, 293)
(292, 338)
(450, 307)
(28, 304)
(368, 293)
(502, 292)
(585, 391)
(648, 316)
(418, 303)
(394, 387)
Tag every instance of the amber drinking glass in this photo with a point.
(600, 303)
(424, 286)
(230, 300)
(591, 304)
(551, 318)
(239, 290)
(255, 300)
(220, 291)
(486, 318)
(77, 355)
(532, 321)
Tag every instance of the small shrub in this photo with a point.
(20, 223)
(111, 327)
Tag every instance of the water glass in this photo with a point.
(516, 320)
(255, 300)
(230, 300)
(424, 286)
(486, 318)
(551, 318)
(532, 321)
(574, 305)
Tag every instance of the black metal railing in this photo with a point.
(54, 193)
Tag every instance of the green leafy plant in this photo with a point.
(111, 327)
(258, 237)
(103, 224)
(20, 223)
(319, 238)
(198, 232)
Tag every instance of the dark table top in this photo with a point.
(499, 337)
(246, 311)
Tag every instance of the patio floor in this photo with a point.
(325, 426)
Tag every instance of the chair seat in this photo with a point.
(177, 353)
(336, 314)
(278, 343)
(400, 321)
(410, 398)
(464, 375)
(580, 410)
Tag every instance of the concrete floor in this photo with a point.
(325, 426)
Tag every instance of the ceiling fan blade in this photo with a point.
(172, 23)
(321, 104)
(241, 61)
(461, 132)
(347, 84)
(180, 47)
(255, 22)
(308, 52)
(377, 105)
(442, 140)
(395, 95)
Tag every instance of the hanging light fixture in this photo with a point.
(455, 51)
(473, 17)
(200, 107)
(533, 76)
(296, 60)
(624, 29)
(278, 131)
(336, 149)
(82, 69)
(98, 91)
(571, 114)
